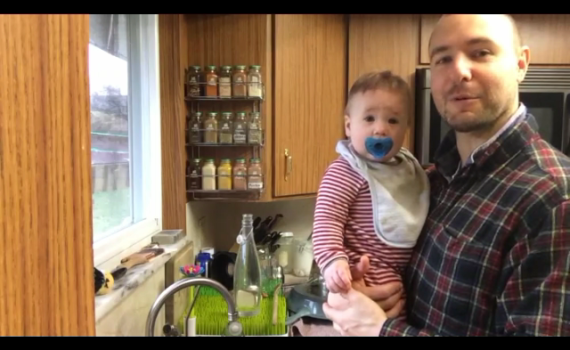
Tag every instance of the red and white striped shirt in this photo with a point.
(344, 226)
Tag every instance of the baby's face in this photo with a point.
(377, 113)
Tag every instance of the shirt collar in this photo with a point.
(448, 161)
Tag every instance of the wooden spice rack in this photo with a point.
(218, 151)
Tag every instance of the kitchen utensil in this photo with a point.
(305, 300)
(130, 262)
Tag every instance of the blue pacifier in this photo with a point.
(379, 146)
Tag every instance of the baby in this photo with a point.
(374, 198)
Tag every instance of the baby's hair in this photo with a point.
(379, 80)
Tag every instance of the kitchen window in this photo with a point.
(125, 131)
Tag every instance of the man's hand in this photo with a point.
(354, 314)
(388, 296)
(337, 276)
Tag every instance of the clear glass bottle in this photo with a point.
(240, 128)
(211, 128)
(254, 129)
(225, 82)
(226, 128)
(254, 81)
(194, 129)
(247, 274)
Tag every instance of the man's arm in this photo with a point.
(336, 193)
(534, 299)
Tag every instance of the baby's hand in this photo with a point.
(337, 276)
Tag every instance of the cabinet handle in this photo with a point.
(289, 161)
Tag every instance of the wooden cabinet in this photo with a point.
(309, 99)
(546, 35)
(304, 63)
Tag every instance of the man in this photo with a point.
(494, 255)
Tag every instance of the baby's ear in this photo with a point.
(347, 125)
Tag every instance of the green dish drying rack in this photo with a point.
(211, 312)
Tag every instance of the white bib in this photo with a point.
(399, 191)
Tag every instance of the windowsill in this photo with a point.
(135, 277)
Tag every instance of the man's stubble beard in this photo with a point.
(492, 111)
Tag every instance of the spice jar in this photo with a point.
(209, 175)
(239, 82)
(194, 132)
(212, 82)
(225, 82)
(226, 128)
(254, 176)
(211, 128)
(193, 81)
(240, 127)
(194, 175)
(254, 81)
(285, 252)
(254, 129)
(225, 175)
(240, 175)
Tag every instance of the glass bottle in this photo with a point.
(240, 128)
(211, 128)
(193, 81)
(254, 129)
(225, 175)
(239, 82)
(212, 81)
(194, 128)
(254, 176)
(254, 81)
(225, 82)
(226, 128)
(209, 175)
(240, 175)
(195, 175)
(247, 273)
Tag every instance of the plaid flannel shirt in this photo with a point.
(494, 256)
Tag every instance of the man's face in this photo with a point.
(475, 70)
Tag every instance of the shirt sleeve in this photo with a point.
(336, 193)
(534, 295)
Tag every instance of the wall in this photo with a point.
(221, 233)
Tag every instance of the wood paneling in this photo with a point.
(172, 63)
(234, 40)
(45, 177)
(310, 94)
(546, 35)
(385, 42)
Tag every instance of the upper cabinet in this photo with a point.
(303, 60)
(309, 99)
(546, 35)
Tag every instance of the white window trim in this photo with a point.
(144, 48)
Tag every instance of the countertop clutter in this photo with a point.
(286, 262)
(134, 270)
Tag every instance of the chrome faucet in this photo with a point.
(234, 327)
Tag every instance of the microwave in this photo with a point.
(545, 92)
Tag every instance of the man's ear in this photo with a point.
(347, 125)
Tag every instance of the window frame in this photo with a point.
(144, 140)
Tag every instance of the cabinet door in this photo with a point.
(310, 94)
